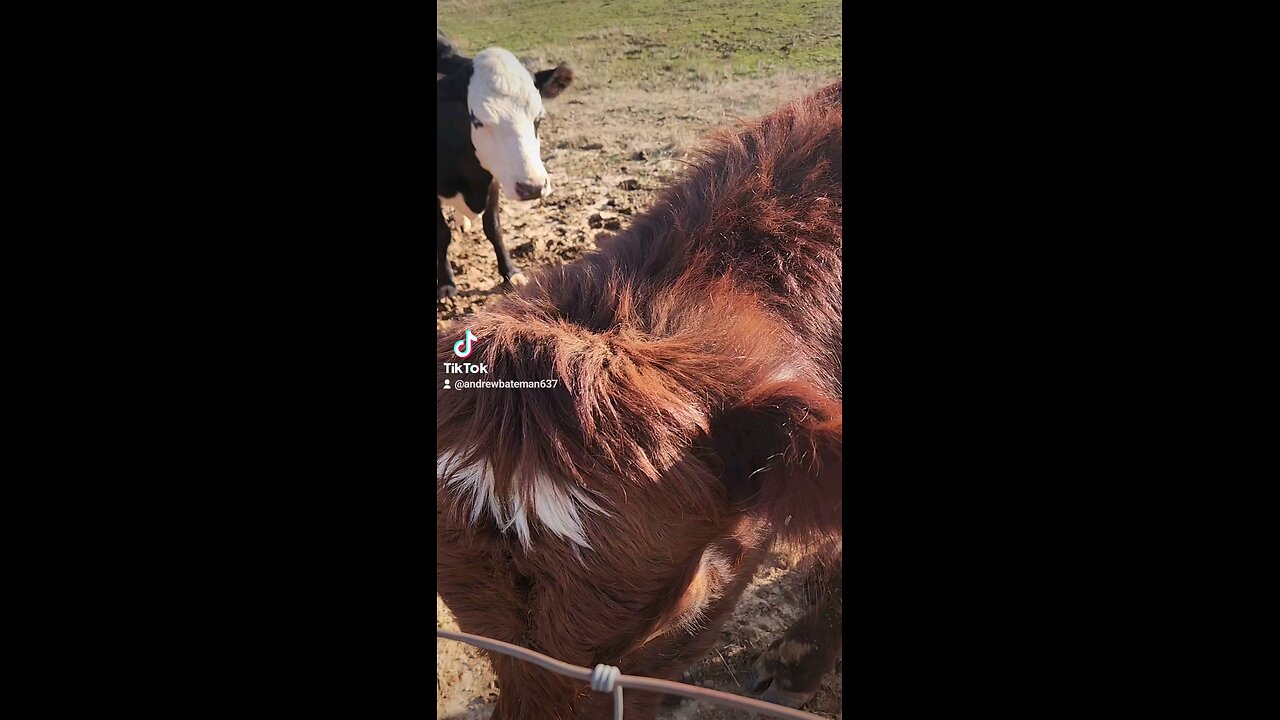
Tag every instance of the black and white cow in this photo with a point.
(488, 109)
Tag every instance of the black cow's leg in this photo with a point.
(444, 274)
(493, 231)
(792, 667)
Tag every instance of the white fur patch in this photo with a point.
(503, 99)
(556, 507)
(462, 214)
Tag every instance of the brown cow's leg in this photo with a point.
(790, 671)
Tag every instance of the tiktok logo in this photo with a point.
(457, 347)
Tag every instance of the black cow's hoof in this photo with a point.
(445, 291)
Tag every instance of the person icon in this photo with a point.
(446, 383)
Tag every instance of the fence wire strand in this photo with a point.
(632, 682)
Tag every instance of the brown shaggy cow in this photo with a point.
(617, 517)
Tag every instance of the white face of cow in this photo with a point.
(505, 111)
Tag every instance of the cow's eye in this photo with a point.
(474, 121)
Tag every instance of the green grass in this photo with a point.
(645, 40)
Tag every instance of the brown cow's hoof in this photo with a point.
(790, 699)
(517, 280)
(765, 667)
(445, 291)
(781, 674)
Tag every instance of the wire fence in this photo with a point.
(608, 679)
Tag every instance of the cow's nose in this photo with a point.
(528, 192)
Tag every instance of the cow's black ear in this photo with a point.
(453, 88)
(552, 82)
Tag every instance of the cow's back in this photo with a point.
(762, 212)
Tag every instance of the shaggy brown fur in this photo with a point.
(700, 405)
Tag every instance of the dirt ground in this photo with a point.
(609, 152)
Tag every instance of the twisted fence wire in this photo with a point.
(607, 678)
